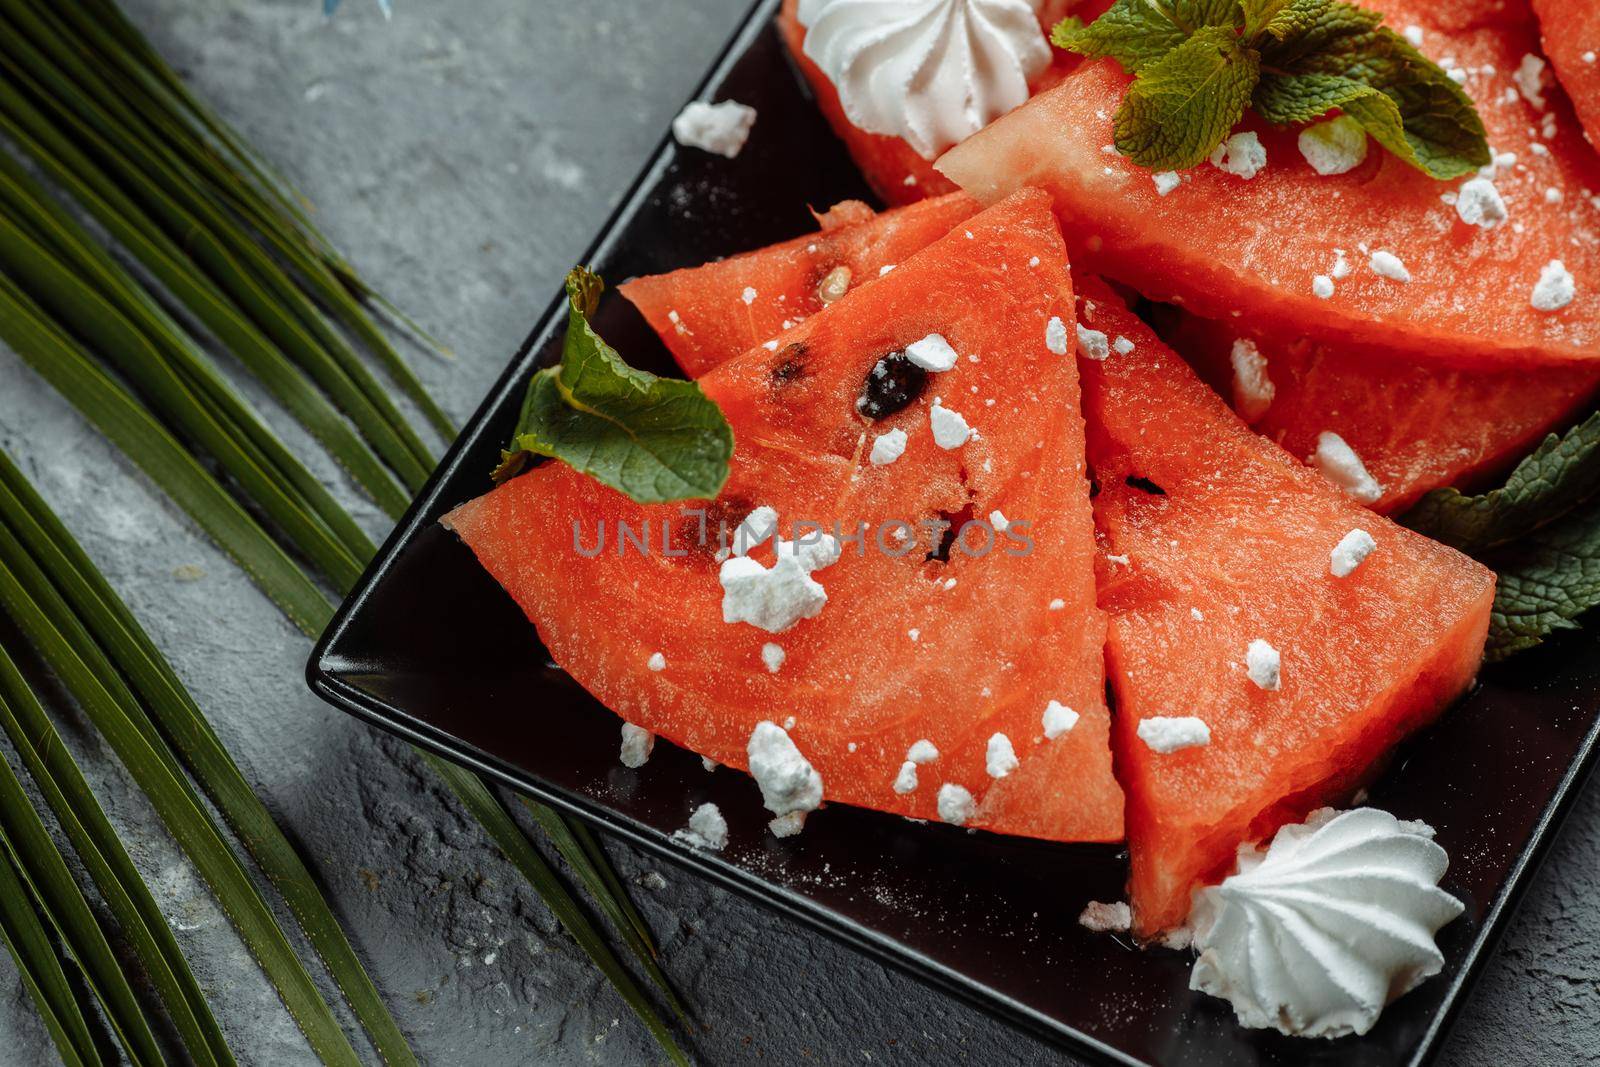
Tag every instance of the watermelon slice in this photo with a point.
(952, 649)
(1416, 426)
(1571, 32)
(706, 314)
(1216, 538)
(891, 166)
(1226, 247)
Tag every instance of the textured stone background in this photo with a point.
(462, 155)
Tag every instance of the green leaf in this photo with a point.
(1135, 33)
(1182, 106)
(1261, 14)
(22, 929)
(654, 439)
(1549, 579)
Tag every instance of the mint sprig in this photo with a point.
(1540, 532)
(1198, 64)
(653, 439)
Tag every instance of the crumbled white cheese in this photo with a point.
(707, 829)
(637, 743)
(1552, 195)
(1107, 918)
(906, 781)
(790, 786)
(1336, 146)
(885, 269)
(1388, 265)
(720, 128)
(998, 520)
(1055, 335)
(1479, 203)
(922, 752)
(1033, 261)
(1057, 604)
(787, 825)
(888, 447)
(1321, 286)
(1000, 758)
(1093, 344)
(1264, 665)
(1243, 155)
(1166, 181)
(950, 430)
(1348, 554)
(1414, 35)
(1339, 464)
(1166, 734)
(1252, 388)
(772, 656)
(1556, 287)
(1341, 266)
(956, 805)
(1590, 57)
(709, 764)
(755, 530)
(1197, 615)
(1058, 719)
(915, 634)
(656, 662)
(1530, 79)
(748, 296)
(775, 598)
(932, 353)
(1121, 346)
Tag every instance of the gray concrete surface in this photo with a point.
(462, 155)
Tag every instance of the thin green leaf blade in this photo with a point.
(42, 975)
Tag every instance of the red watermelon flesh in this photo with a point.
(1225, 247)
(1571, 32)
(905, 648)
(701, 312)
(891, 166)
(1416, 426)
(1214, 537)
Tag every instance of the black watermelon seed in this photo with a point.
(893, 384)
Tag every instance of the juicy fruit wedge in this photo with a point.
(1226, 247)
(951, 649)
(1215, 538)
(701, 312)
(1571, 32)
(1417, 426)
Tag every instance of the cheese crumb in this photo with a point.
(1264, 665)
(656, 662)
(950, 430)
(773, 655)
(906, 781)
(709, 764)
(1341, 266)
(748, 296)
(1057, 604)
(1121, 346)
(998, 520)
(1530, 79)
(1414, 35)
(1348, 554)
(1336, 146)
(1388, 265)
(775, 598)
(1242, 154)
(1167, 734)
(1000, 758)
(707, 829)
(1479, 203)
(787, 825)
(755, 530)
(1093, 344)
(888, 447)
(637, 743)
(922, 752)
(1055, 335)
(721, 128)
(1058, 719)
(1252, 388)
(932, 353)
(1556, 287)
(956, 805)
(1339, 464)
(790, 786)
(1107, 918)
(1166, 181)
(1321, 286)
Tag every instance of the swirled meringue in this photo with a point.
(934, 72)
(1314, 936)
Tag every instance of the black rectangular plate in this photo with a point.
(429, 647)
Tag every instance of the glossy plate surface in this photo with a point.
(431, 648)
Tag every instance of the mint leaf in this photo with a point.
(1260, 14)
(654, 439)
(1184, 104)
(1137, 33)
(1540, 532)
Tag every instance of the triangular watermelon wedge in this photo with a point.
(1216, 538)
(1415, 425)
(1226, 247)
(1571, 33)
(708, 313)
(949, 650)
